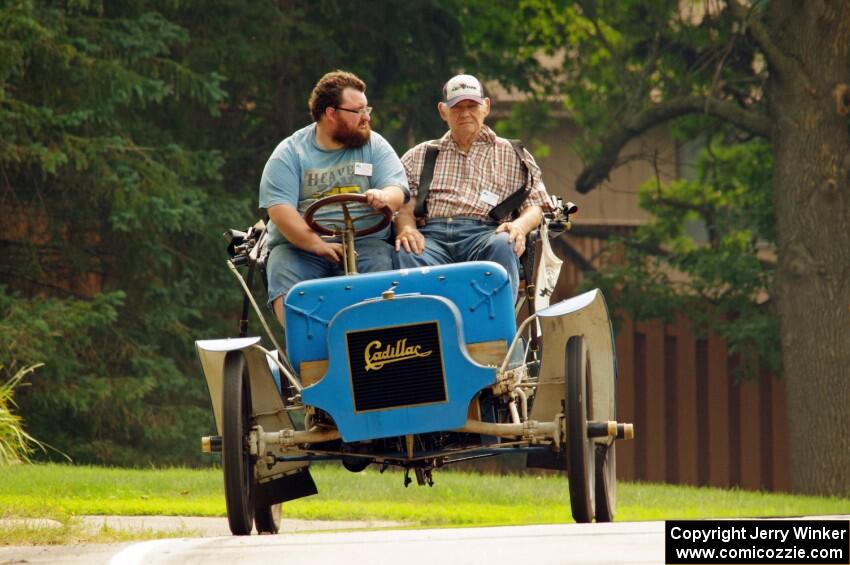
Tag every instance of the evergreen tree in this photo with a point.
(105, 251)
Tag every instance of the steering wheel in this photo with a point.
(385, 214)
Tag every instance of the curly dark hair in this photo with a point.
(328, 91)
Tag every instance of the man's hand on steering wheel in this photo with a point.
(376, 198)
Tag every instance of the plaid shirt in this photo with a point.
(460, 178)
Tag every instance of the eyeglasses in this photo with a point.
(367, 111)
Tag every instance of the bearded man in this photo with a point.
(337, 154)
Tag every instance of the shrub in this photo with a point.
(15, 444)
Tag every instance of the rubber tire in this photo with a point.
(267, 520)
(606, 482)
(235, 457)
(581, 456)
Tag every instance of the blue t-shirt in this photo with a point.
(299, 172)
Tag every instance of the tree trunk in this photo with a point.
(809, 102)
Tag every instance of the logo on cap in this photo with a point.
(463, 87)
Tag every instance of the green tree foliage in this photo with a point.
(707, 252)
(272, 53)
(630, 66)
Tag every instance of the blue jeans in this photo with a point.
(288, 265)
(458, 239)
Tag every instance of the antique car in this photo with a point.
(413, 368)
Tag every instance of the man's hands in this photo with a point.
(517, 229)
(290, 223)
(407, 235)
(414, 242)
(377, 198)
(516, 236)
(330, 251)
(411, 239)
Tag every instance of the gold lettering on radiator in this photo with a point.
(376, 357)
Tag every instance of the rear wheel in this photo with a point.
(267, 519)
(235, 455)
(581, 451)
(606, 482)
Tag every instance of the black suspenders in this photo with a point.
(509, 205)
(425, 178)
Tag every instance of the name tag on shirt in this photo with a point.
(363, 169)
(488, 197)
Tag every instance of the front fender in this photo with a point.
(211, 353)
(585, 315)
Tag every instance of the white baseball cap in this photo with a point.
(462, 87)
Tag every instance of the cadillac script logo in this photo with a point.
(396, 366)
(375, 357)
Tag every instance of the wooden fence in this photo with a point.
(693, 423)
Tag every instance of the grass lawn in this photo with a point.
(457, 499)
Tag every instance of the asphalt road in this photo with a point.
(619, 542)
(613, 543)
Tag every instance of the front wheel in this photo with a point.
(235, 454)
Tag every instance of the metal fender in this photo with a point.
(266, 401)
(212, 353)
(583, 315)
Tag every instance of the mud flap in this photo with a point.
(286, 488)
(547, 460)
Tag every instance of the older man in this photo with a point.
(336, 154)
(474, 195)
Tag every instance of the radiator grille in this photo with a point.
(397, 366)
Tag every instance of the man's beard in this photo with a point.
(351, 137)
